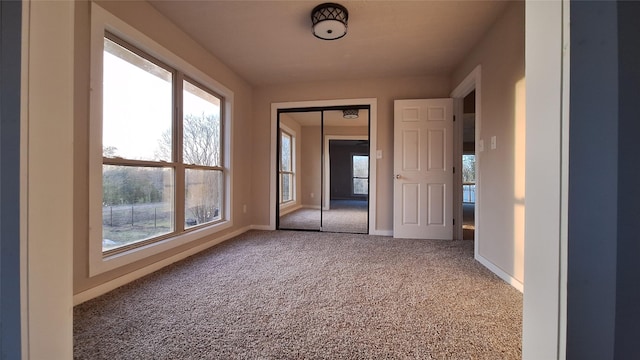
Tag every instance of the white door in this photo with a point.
(423, 169)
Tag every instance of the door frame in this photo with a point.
(470, 83)
(373, 121)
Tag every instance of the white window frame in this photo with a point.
(102, 21)
(292, 134)
(353, 177)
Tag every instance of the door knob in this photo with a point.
(397, 176)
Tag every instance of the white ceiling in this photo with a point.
(270, 42)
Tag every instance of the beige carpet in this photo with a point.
(302, 295)
(344, 216)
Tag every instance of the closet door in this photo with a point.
(346, 171)
(300, 170)
(323, 170)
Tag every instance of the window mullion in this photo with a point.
(130, 162)
(223, 155)
(178, 152)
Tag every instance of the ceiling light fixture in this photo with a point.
(350, 113)
(329, 21)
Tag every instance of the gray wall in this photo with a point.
(627, 270)
(10, 47)
(604, 202)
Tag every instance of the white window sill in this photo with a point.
(99, 264)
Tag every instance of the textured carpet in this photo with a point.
(301, 295)
(344, 216)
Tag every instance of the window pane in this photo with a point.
(203, 198)
(137, 106)
(137, 204)
(468, 178)
(286, 152)
(468, 168)
(360, 186)
(361, 166)
(201, 133)
(287, 187)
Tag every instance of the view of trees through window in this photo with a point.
(360, 174)
(469, 178)
(286, 167)
(146, 169)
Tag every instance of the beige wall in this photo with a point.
(311, 169)
(501, 207)
(385, 90)
(146, 19)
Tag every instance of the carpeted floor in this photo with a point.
(302, 295)
(348, 216)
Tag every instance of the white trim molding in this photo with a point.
(501, 273)
(470, 83)
(546, 186)
(46, 186)
(473, 82)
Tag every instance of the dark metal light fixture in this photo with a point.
(329, 21)
(350, 113)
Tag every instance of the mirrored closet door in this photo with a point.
(323, 170)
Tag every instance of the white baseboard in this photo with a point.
(314, 207)
(381, 232)
(289, 209)
(501, 273)
(261, 227)
(125, 279)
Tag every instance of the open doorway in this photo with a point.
(323, 169)
(469, 166)
(467, 150)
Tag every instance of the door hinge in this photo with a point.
(454, 169)
(454, 118)
(454, 221)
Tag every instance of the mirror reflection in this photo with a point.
(323, 171)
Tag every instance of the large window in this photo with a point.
(202, 155)
(162, 172)
(287, 180)
(159, 140)
(138, 179)
(360, 174)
